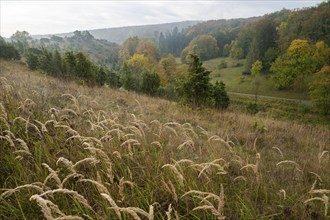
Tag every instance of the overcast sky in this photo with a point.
(50, 17)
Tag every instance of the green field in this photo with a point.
(236, 82)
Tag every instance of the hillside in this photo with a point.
(236, 82)
(101, 52)
(120, 34)
(76, 152)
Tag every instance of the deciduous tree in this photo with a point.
(236, 52)
(138, 63)
(128, 49)
(148, 49)
(320, 90)
(296, 63)
(204, 46)
(169, 64)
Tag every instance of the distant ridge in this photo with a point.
(120, 34)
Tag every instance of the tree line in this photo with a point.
(70, 65)
(291, 46)
(143, 72)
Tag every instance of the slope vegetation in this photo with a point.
(120, 34)
(74, 152)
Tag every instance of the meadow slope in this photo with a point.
(74, 152)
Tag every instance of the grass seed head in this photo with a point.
(112, 203)
(33, 186)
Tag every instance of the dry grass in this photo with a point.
(74, 152)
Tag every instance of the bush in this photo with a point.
(167, 92)
(101, 76)
(304, 109)
(113, 79)
(32, 61)
(220, 96)
(259, 126)
(252, 108)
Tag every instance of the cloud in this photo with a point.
(45, 17)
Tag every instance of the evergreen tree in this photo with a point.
(113, 79)
(85, 68)
(220, 96)
(8, 51)
(57, 64)
(32, 58)
(70, 63)
(32, 61)
(45, 61)
(101, 76)
(127, 79)
(195, 89)
(162, 42)
(173, 41)
(150, 82)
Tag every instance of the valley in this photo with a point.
(208, 110)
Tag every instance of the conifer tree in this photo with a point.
(8, 51)
(196, 88)
(127, 79)
(220, 96)
(101, 76)
(57, 64)
(113, 79)
(150, 82)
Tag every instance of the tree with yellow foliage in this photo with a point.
(137, 63)
(300, 60)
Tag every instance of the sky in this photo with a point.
(51, 17)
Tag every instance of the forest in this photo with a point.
(292, 46)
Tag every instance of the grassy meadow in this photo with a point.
(236, 82)
(74, 152)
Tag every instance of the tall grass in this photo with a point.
(73, 152)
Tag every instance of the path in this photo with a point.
(303, 102)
